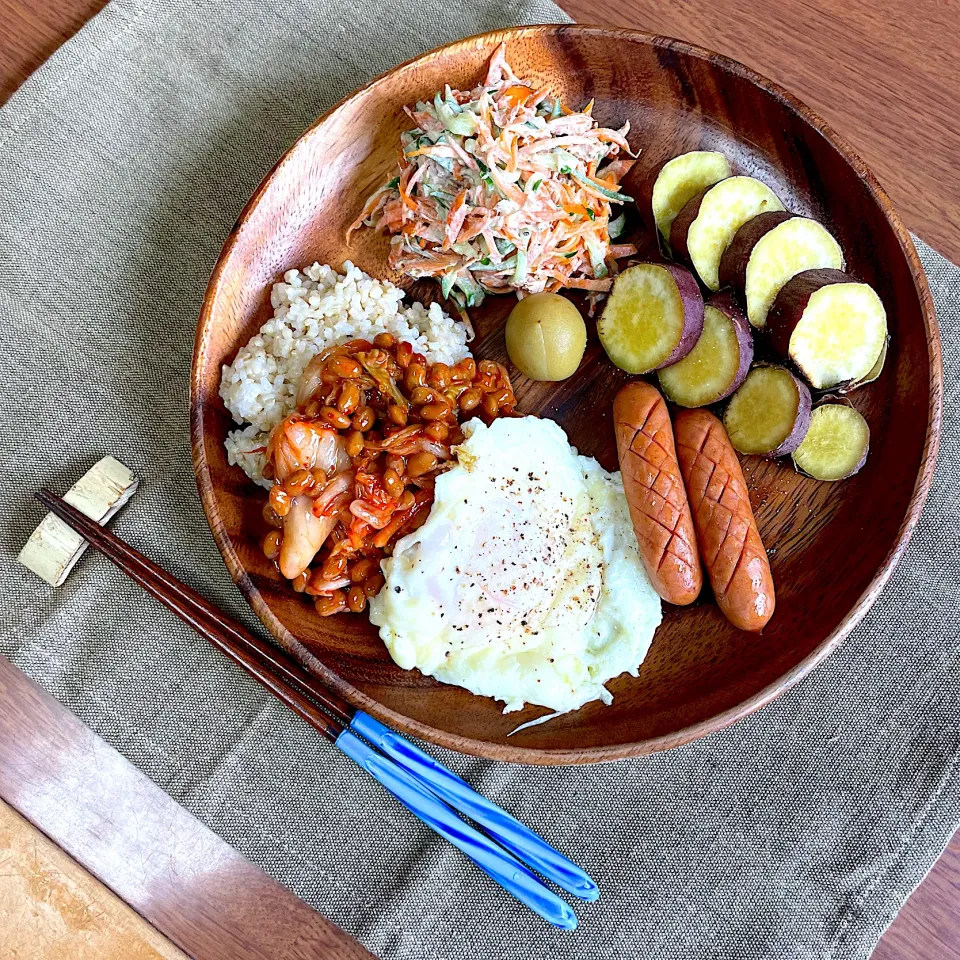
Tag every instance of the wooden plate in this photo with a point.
(832, 546)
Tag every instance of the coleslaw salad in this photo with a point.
(504, 188)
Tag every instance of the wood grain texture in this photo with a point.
(30, 31)
(205, 897)
(883, 73)
(52, 909)
(908, 134)
(701, 673)
(928, 927)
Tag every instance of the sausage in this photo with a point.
(655, 493)
(730, 543)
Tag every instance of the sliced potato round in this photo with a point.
(769, 414)
(718, 364)
(793, 246)
(680, 179)
(705, 226)
(831, 326)
(652, 318)
(836, 445)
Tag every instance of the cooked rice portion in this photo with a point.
(246, 449)
(314, 309)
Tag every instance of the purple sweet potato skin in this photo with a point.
(802, 423)
(871, 375)
(692, 300)
(681, 225)
(792, 300)
(733, 263)
(725, 303)
(861, 463)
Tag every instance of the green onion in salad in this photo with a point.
(501, 189)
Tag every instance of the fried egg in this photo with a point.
(525, 583)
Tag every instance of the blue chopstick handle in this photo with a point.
(509, 831)
(495, 862)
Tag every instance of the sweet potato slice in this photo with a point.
(769, 414)
(705, 226)
(831, 326)
(652, 318)
(873, 373)
(733, 263)
(791, 247)
(720, 361)
(836, 445)
(680, 179)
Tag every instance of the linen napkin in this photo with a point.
(797, 833)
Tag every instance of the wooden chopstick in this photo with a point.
(294, 686)
(416, 779)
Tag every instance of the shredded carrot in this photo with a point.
(585, 283)
(575, 209)
(514, 158)
(405, 198)
(501, 188)
(517, 93)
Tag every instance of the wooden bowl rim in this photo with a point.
(599, 754)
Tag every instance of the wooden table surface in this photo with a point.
(885, 74)
(46, 897)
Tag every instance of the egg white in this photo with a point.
(525, 583)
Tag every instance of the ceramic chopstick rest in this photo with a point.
(53, 548)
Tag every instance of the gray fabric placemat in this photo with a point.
(797, 833)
